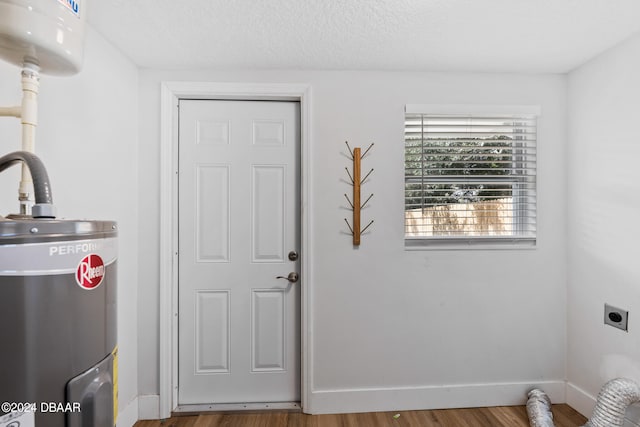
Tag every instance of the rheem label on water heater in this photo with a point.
(90, 272)
(59, 257)
(72, 5)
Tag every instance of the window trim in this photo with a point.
(473, 109)
(466, 242)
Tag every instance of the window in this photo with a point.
(470, 178)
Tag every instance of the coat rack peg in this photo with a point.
(367, 150)
(368, 225)
(354, 202)
(347, 197)
(365, 202)
(350, 150)
(366, 176)
(350, 177)
(349, 225)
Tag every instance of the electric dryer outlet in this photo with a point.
(616, 317)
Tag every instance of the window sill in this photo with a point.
(466, 243)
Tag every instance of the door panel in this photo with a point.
(238, 325)
(268, 346)
(212, 332)
(267, 213)
(212, 213)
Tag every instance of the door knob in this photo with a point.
(292, 277)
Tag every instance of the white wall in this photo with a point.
(604, 207)
(88, 139)
(394, 329)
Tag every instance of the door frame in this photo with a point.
(171, 93)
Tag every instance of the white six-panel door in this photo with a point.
(238, 325)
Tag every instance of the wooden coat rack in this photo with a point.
(356, 206)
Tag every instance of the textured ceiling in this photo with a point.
(439, 35)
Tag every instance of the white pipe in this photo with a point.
(29, 116)
(11, 111)
(27, 112)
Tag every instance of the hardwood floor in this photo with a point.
(505, 416)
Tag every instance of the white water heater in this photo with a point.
(49, 33)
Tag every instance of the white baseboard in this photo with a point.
(584, 403)
(431, 397)
(580, 400)
(128, 416)
(149, 407)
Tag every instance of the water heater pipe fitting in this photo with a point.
(27, 112)
(11, 112)
(30, 86)
(29, 119)
(44, 199)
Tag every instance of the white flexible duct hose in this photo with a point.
(611, 405)
(539, 409)
(613, 400)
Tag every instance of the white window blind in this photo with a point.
(470, 178)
